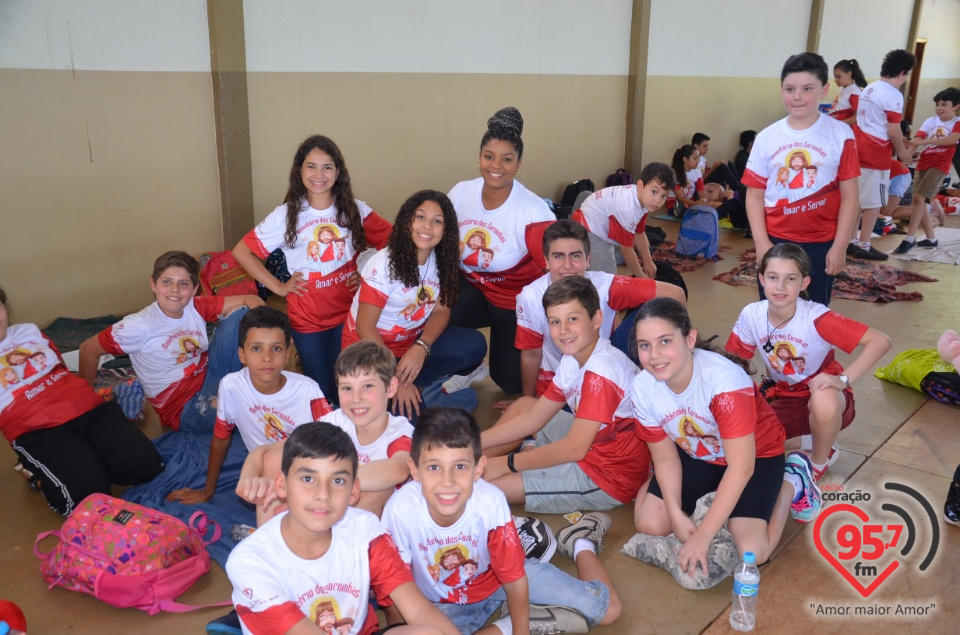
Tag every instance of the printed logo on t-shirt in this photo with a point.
(784, 359)
(797, 178)
(326, 613)
(477, 249)
(189, 348)
(452, 568)
(695, 443)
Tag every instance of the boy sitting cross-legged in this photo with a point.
(312, 567)
(455, 531)
(179, 366)
(592, 459)
(263, 402)
(366, 381)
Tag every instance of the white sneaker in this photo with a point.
(459, 382)
(547, 620)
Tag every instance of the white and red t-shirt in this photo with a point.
(950, 204)
(800, 172)
(36, 389)
(616, 293)
(501, 249)
(273, 588)
(263, 419)
(169, 354)
(802, 348)
(403, 310)
(721, 402)
(617, 460)
(614, 214)
(937, 157)
(694, 185)
(880, 104)
(465, 562)
(845, 103)
(396, 438)
(325, 256)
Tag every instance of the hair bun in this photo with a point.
(508, 118)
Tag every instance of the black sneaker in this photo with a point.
(855, 251)
(536, 537)
(229, 624)
(926, 242)
(951, 509)
(905, 246)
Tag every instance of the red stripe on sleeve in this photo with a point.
(319, 407)
(253, 243)
(736, 346)
(629, 293)
(526, 339)
(377, 230)
(752, 179)
(222, 429)
(840, 330)
(534, 240)
(849, 161)
(506, 553)
(619, 234)
(369, 295)
(387, 570)
(403, 444)
(275, 619)
(599, 398)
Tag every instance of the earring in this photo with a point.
(518, 172)
(478, 166)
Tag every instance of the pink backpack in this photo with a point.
(128, 555)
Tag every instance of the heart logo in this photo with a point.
(849, 577)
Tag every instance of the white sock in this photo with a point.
(910, 239)
(582, 544)
(806, 442)
(818, 467)
(505, 624)
(794, 480)
(864, 245)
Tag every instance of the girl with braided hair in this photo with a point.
(501, 225)
(406, 294)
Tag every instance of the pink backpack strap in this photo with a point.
(40, 537)
(170, 606)
(200, 524)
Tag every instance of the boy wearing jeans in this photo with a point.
(456, 533)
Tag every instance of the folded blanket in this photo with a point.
(185, 455)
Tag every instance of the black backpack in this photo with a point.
(565, 207)
(666, 273)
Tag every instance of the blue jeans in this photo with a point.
(200, 411)
(620, 338)
(457, 351)
(318, 355)
(821, 285)
(548, 585)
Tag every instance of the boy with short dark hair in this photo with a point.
(818, 214)
(592, 460)
(455, 531)
(877, 131)
(566, 246)
(618, 216)
(322, 556)
(179, 367)
(366, 380)
(939, 134)
(262, 401)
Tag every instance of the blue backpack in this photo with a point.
(699, 233)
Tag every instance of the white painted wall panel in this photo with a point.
(864, 30)
(940, 26)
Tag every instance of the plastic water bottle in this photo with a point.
(746, 584)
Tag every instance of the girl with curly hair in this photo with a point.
(319, 213)
(406, 293)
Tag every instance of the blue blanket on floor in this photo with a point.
(185, 455)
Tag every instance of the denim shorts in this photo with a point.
(562, 488)
(548, 585)
(899, 185)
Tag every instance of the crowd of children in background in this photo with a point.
(604, 398)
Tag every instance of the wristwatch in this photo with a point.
(510, 463)
(845, 380)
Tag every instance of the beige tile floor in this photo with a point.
(899, 436)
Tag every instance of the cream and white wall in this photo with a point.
(940, 26)
(107, 150)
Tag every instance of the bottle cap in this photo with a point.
(749, 557)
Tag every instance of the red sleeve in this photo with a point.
(735, 412)
(319, 407)
(921, 134)
(642, 225)
(276, 619)
(650, 434)
(209, 306)
(105, 337)
(677, 188)
(251, 241)
(222, 429)
(854, 102)
(893, 117)
(553, 392)
(387, 570)
(849, 162)
(629, 293)
(506, 553)
(840, 330)
(699, 186)
(534, 240)
(377, 230)
(526, 339)
(752, 179)
(369, 295)
(737, 347)
(599, 398)
(53, 347)
(403, 444)
(619, 233)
